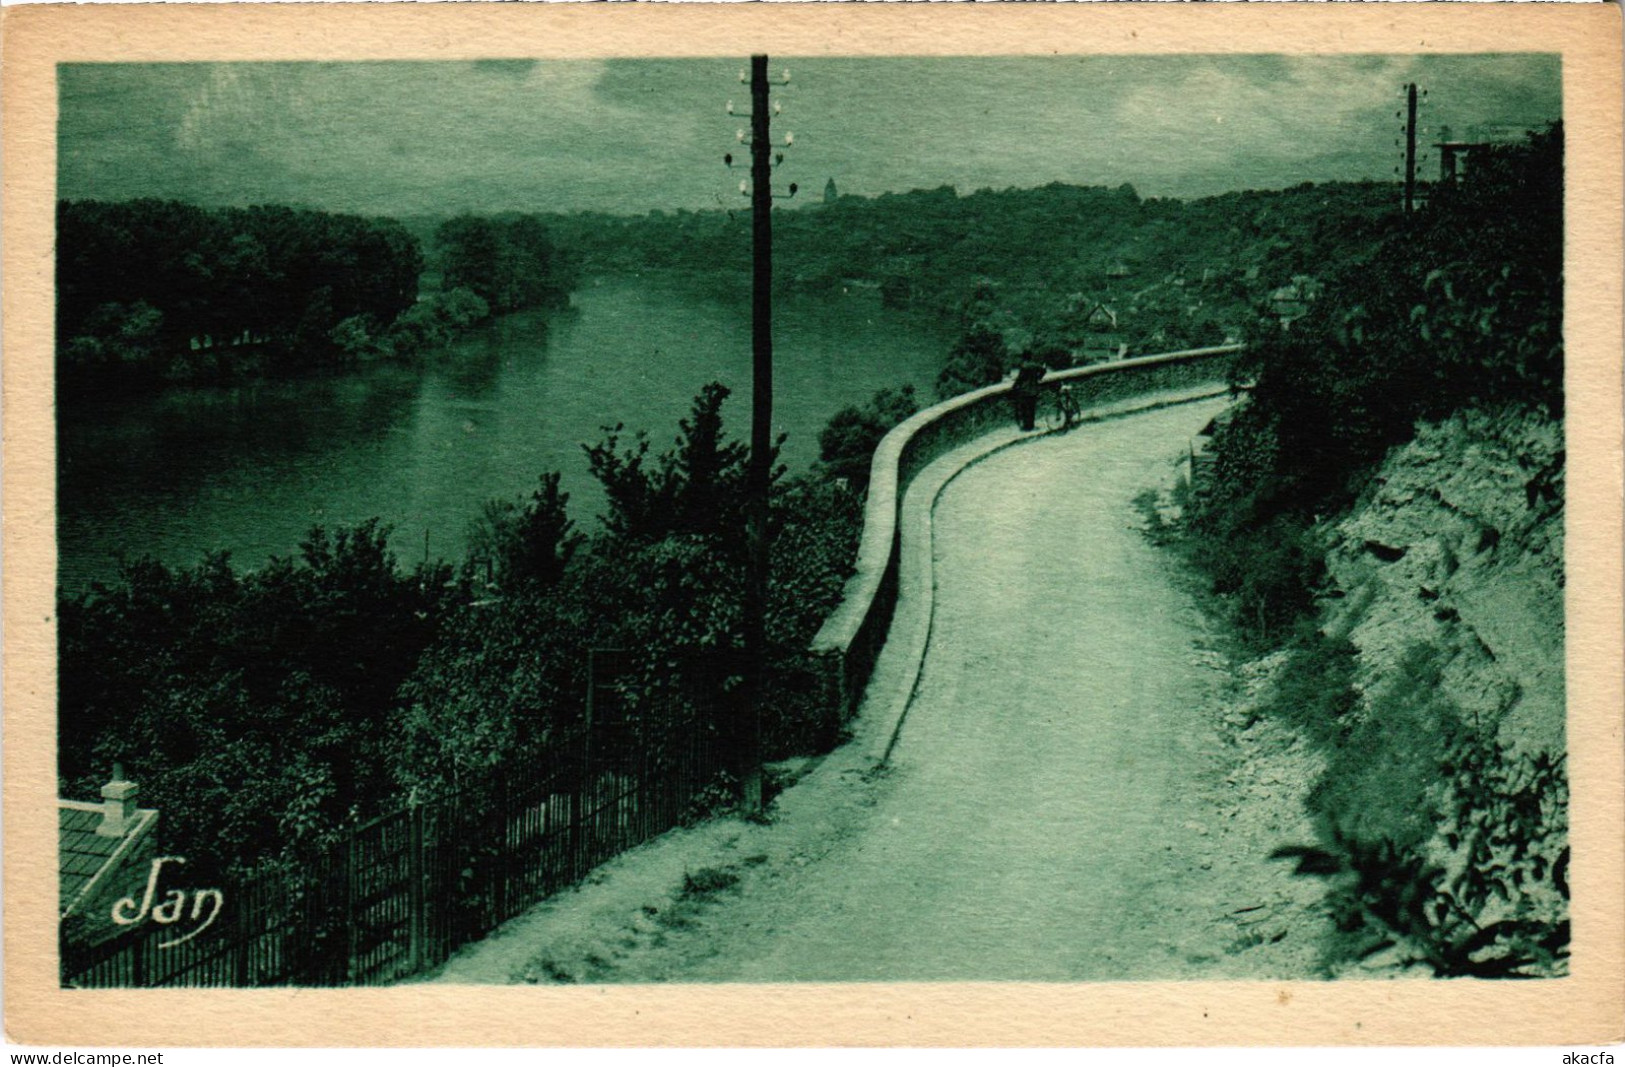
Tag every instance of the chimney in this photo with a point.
(118, 804)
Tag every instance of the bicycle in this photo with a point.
(1061, 409)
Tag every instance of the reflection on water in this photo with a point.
(251, 468)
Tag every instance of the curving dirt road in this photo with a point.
(1063, 803)
(1045, 817)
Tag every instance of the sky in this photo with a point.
(628, 136)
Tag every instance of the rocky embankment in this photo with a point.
(1435, 696)
(1459, 544)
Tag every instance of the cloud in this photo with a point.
(629, 135)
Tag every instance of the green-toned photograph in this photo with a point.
(807, 519)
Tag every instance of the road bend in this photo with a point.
(1059, 806)
(1046, 813)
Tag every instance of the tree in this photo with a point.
(152, 290)
(1457, 305)
(471, 257)
(696, 488)
(978, 358)
(707, 472)
(509, 262)
(847, 444)
(529, 543)
(254, 709)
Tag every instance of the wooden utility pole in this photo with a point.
(1410, 148)
(759, 475)
(761, 433)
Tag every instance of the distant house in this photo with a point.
(1100, 317)
(1291, 302)
(104, 852)
(1455, 156)
(1101, 339)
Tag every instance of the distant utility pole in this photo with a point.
(1414, 98)
(759, 475)
(1410, 148)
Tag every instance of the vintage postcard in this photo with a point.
(812, 525)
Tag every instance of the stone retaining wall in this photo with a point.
(851, 638)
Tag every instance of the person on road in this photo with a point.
(1024, 393)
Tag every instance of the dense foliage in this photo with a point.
(846, 446)
(1459, 303)
(1063, 274)
(267, 710)
(152, 289)
(253, 708)
(1446, 849)
(661, 581)
(508, 261)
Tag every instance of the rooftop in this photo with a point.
(83, 854)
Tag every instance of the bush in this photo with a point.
(1458, 304)
(1263, 564)
(698, 487)
(1382, 776)
(528, 542)
(433, 322)
(1493, 903)
(816, 527)
(505, 677)
(1445, 845)
(1314, 692)
(978, 358)
(847, 444)
(254, 709)
(708, 881)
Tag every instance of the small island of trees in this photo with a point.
(151, 292)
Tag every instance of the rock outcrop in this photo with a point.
(1458, 543)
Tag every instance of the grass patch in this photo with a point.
(1384, 778)
(1314, 692)
(719, 797)
(707, 882)
(1440, 843)
(546, 969)
(1158, 530)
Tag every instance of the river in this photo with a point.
(249, 469)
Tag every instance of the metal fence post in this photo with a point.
(239, 976)
(352, 964)
(494, 852)
(416, 925)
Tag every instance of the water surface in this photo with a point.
(250, 469)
